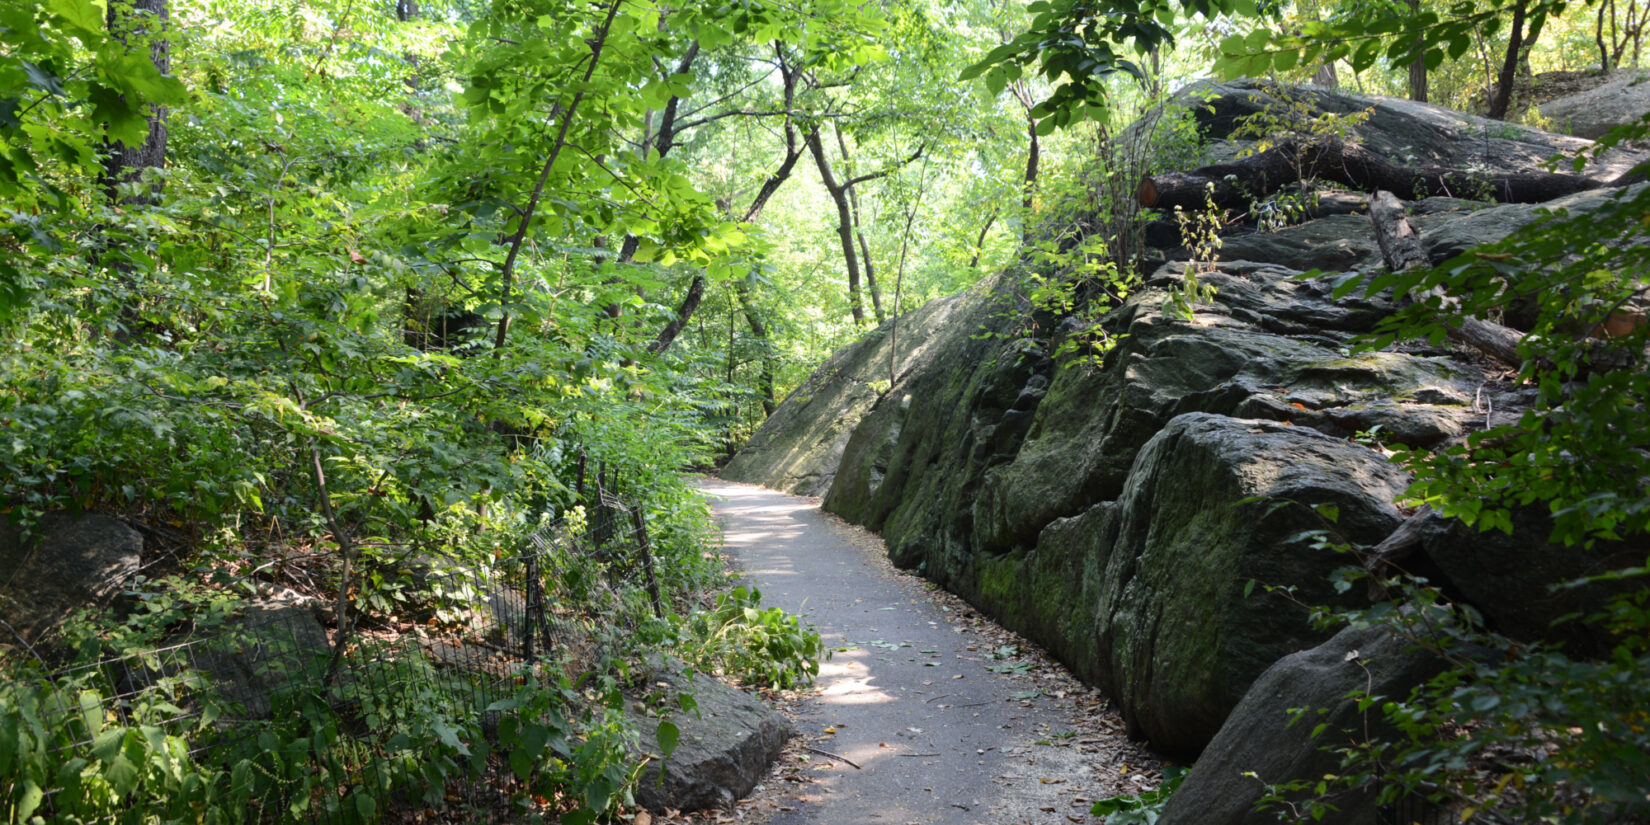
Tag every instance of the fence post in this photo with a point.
(647, 559)
(535, 604)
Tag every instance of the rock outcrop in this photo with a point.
(726, 744)
(1116, 510)
(66, 563)
(799, 453)
(1621, 98)
(1263, 743)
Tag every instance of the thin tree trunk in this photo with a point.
(1401, 250)
(508, 274)
(759, 331)
(979, 243)
(1509, 66)
(899, 283)
(1034, 148)
(1417, 67)
(844, 223)
(128, 20)
(1598, 37)
(859, 231)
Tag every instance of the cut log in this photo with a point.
(1238, 184)
(1401, 249)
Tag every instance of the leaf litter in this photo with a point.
(1054, 772)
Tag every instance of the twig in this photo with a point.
(937, 698)
(935, 753)
(47, 669)
(836, 756)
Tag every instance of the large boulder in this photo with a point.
(1151, 596)
(1268, 347)
(64, 564)
(1402, 131)
(1620, 99)
(1261, 738)
(275, 645)
(725, 747)
(798, 448)
(1524, 585)
(1020, 483)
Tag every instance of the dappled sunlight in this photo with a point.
(846, 679)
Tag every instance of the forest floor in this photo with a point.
(927, 711)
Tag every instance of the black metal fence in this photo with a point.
(305, 724)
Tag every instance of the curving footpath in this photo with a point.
(946, 723)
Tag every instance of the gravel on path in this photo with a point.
(927, 712)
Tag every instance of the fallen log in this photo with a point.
(1238, 184)
(1401, 249)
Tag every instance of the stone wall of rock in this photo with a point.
(800, 447)
(1115, 512)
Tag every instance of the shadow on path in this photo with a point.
(910, 694)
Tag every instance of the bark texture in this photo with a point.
(1237, 184)
(132, 22)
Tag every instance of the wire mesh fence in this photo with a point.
(320, 721)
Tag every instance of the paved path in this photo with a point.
(910, 694)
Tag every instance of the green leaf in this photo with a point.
(669, 735)
(123, 776)
(29, 800)
(996, 80)
(365, 805)
(521, 764)
(83, 16)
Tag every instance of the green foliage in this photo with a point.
(758, 645)
(1077, 44)
(554, 749)
(396, 730)
(1142, 808)
(1386, 32)
(1576, 450)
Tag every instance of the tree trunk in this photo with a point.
(979, 241)
(1401, 250)
(507, 273)
(1034, 149)
(1598, 36)
(1509, 66)
(844, 222)
(129, 20)
(1326, 76)
(759, 331)
(1238, 183)
(793, 152)
(1417, 67)
(859, 231)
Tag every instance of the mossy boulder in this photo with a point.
(1259, 745)
(800, 445)
(1149, 596)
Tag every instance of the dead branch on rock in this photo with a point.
(1237, 184)
(1401, 250)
